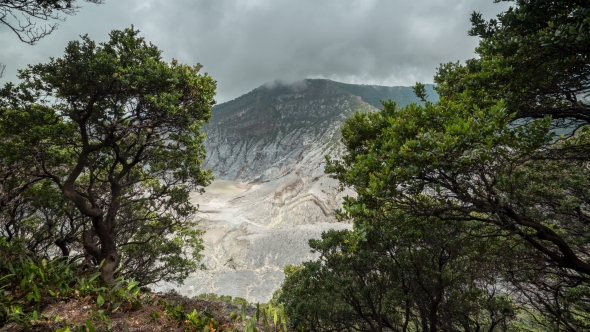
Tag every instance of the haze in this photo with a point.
(244, 44)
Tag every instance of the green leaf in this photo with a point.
(99, 301)
(90, 326)
(132, 285)
(244, 314)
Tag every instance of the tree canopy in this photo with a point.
(406, 274)
(121, 143)
(502, 156)
(533, 56)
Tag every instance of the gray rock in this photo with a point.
(267, 151)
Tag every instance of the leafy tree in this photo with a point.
(490, 151)
(129, 151)
(43, 221)
(474, 165)
(21, 16)
(471, 161)
(400, 274)
(22, 130)
(533, 56)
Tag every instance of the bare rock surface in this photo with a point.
(266, 149)
(252, 230)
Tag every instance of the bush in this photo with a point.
(29, 283)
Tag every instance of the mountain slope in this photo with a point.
(264, 133)
(374, 94)
(271, 196)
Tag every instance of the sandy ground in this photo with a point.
(253, 230)
(227, 187)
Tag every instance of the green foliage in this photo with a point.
(455, 163)
(192, 321)
(122, 149)
(26, 280)
(533, 56)
(30, 282)
(487, 159)
(214, 297)
(30, 206)
(100, 317)
(399, 273)
(268, 316)
(420, 91)
(222, 298)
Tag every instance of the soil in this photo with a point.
(148, 317)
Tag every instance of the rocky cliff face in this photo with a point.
(266, 149)
(264, 134)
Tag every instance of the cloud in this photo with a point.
(245, 43)
(295, 86)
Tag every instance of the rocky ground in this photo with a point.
(152, 315)
(267, 148)
(254, 229)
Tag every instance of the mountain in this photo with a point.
(374, 94)
(271, 195)
(264, 133)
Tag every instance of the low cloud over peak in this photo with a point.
(244, 44)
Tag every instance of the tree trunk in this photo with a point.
(110, 264)
(63, 246)
(107, 253)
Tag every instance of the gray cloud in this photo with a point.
(246, 43)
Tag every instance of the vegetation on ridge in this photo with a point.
(483, 167)
(375, 94)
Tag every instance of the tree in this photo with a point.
(26, 27)
(399, 274)
(533, 56)
(507, 145)
(22, 129)
(473, 164)
(130, 151)
(488, 153)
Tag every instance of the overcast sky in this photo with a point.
(245, 43)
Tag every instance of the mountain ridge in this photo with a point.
(266, 149)
(370, 93)
(241, 133)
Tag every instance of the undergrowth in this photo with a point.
(28, 284)
(268, 316)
